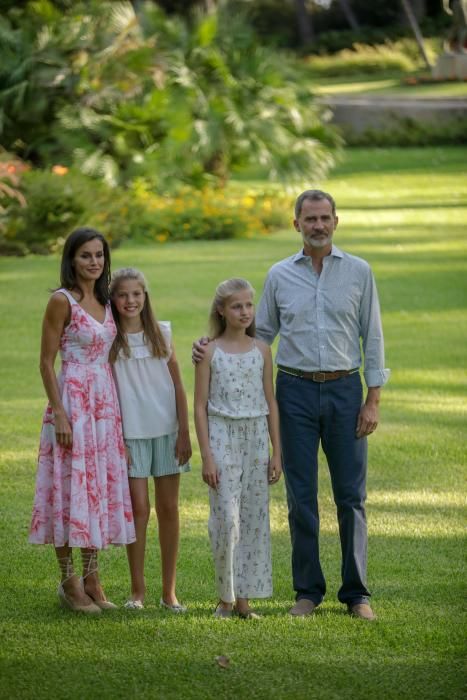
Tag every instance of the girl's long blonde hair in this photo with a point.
(152, 332)
(224, 291)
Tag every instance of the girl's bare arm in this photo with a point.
(183, 445)
(202, 377)
(275, 462)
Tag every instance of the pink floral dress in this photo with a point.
(82, 494)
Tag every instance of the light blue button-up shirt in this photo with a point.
(321, 318)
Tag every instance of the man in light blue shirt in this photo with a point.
(324, 305)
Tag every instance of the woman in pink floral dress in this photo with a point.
(82, 495)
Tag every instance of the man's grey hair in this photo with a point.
(314, 196)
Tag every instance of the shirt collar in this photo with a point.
(335, 253)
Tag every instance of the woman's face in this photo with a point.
(89, 261)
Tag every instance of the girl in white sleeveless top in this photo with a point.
(235, 416)
(155, 426)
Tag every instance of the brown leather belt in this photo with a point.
(317, 376)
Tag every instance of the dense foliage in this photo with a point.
(276, 22)
(144, 101)
(131, 116)
(121, 95)
(49, 204)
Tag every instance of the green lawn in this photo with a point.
(388, 86)
(405, 211)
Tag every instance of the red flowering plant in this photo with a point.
(11, 170)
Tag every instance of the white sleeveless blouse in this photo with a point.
(145, 389)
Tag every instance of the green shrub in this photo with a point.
(55, 205)
(58, 201)
(408, 132)
(207, 214)
(12, 247)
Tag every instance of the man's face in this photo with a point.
(316, 224)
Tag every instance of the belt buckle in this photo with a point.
(319, 377)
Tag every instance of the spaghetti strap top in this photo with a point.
(236, 384)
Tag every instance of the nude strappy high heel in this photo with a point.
(90, 566)
(66, 567)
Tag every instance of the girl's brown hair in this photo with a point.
(152, 332)
(224, 291)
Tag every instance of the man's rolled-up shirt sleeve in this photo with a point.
(267, 314)
(372, 335)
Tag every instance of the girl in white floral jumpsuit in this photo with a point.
(236, 415)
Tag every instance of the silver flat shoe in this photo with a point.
(176, 608)
(221, 613)
(134, 605)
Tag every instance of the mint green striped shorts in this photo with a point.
(154, 457)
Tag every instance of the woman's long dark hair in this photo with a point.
(67, 272)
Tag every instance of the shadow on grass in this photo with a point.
(418, 594)
(432, 389)
(430, 418)
(363, 205)
(424, 558)
(413, 650)
(446, 160)
(450, 511)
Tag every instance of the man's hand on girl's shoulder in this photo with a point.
(198, 349)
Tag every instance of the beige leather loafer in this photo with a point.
(302, 608)
(361, 610)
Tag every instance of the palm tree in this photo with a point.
(36, 74)
(152, 95)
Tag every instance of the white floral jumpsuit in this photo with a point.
(239, 441)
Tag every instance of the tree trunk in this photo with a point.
(305, 27)
(349, 14)
(416, 30)
(419, 8)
